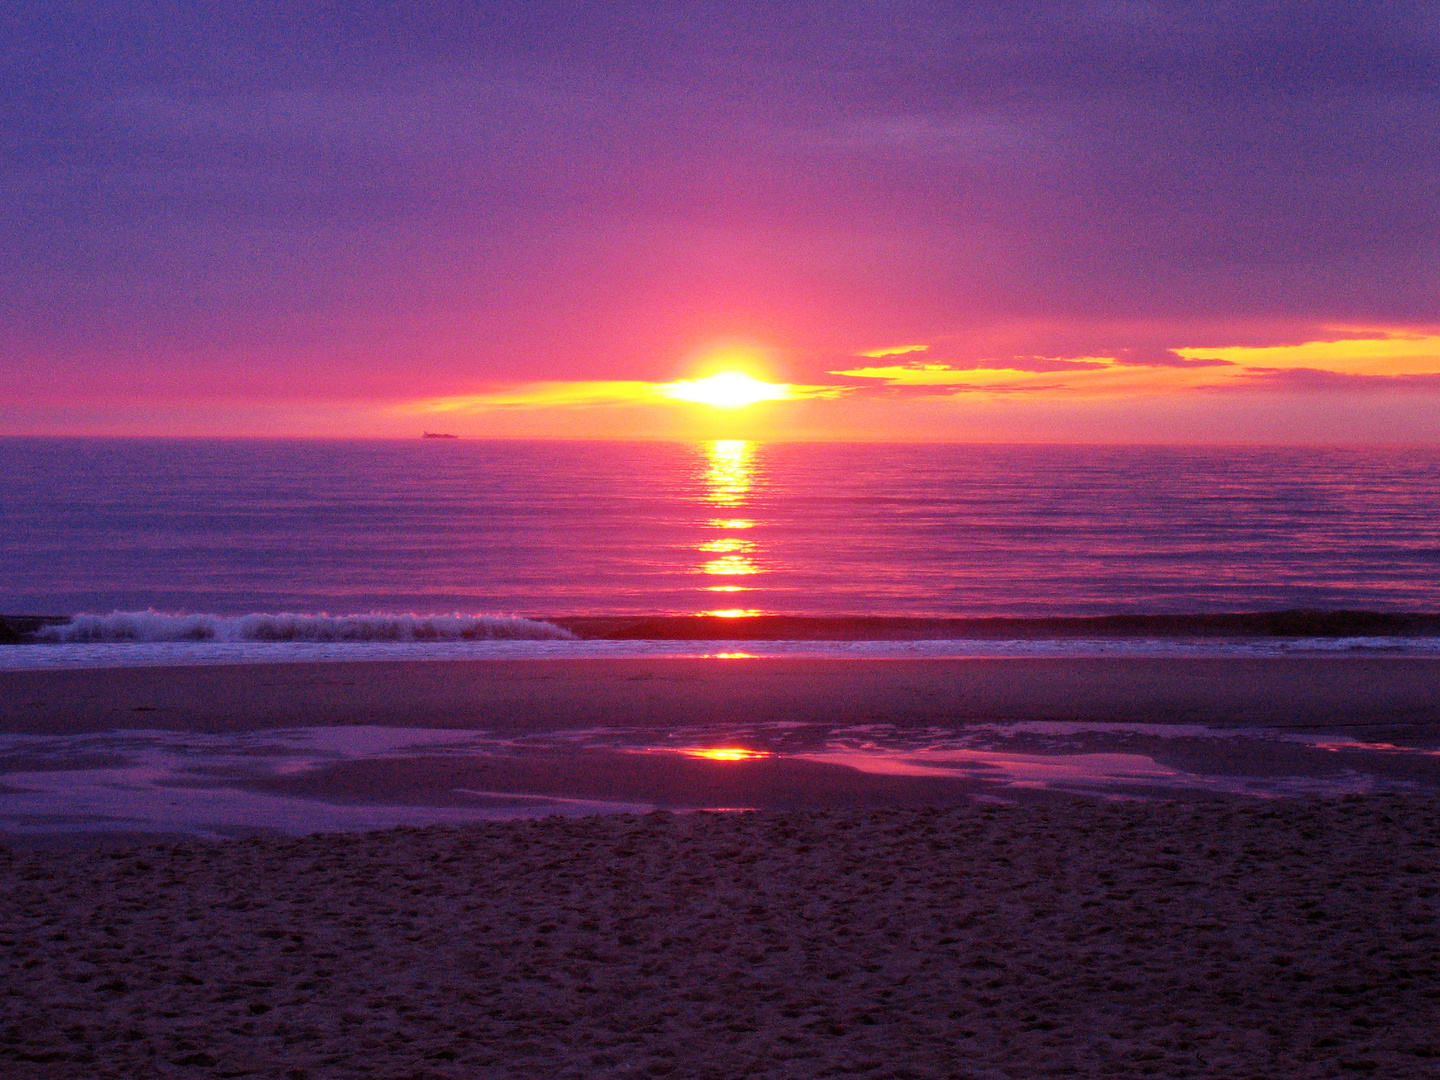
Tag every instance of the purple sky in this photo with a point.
(259, 212)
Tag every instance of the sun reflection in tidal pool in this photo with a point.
(725, 753)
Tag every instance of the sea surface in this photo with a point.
(551, 529)
(159, 553)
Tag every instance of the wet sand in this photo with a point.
(1293, 938)
(1379, 696)
(94, 757)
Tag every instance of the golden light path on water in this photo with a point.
(729, 543)
(728, 480)
(730, 471)
(731, 565)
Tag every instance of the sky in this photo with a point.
(1111, 222)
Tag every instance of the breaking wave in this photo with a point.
(159, 626)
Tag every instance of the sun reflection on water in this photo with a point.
(730, 472)
(728, 543)
(729, 480)
(731, 565)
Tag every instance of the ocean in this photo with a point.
(204, 553)
(225, 531)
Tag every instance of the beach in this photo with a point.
(111, 756)
(915, 921)
(720, 541)
(1390, 696)
(1260, 939)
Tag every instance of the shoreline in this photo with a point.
(1292, 623)
(1348, 693)
(1240, 626)
(297, 748)
(116, 655)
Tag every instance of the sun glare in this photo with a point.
(730, 471)
(727, 390)
(728, 543)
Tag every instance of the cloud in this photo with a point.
(1394, 352)
(421, 198)
(953, 390)
(603, 393)
(1344, 361)
(1035, 363)
(893, 350)
(938, 372)
(1020, 375)
(963, 373)
(539, 395)
(1306, 379)
(953, 356)
(1153, 356)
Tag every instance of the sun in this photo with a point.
(727, 390)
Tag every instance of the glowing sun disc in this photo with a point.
(727, 390)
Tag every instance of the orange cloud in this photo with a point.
(897, 350)
(616, 392)
(1387, 354)
(1380, 360)
(1321, 389)
(1091, 376)
(538, 395)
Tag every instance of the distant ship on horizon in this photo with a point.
(438, 435)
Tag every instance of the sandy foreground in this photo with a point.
(1284, 938)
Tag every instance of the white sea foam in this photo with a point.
(157, 626)
(57, 654)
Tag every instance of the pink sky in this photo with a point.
(1041, 221)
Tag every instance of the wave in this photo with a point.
(159, 627)
(1297, 623)
(258, 626)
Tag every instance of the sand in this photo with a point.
(860, 932)
(92, 757)
(1389, 697)
(1267, 939)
